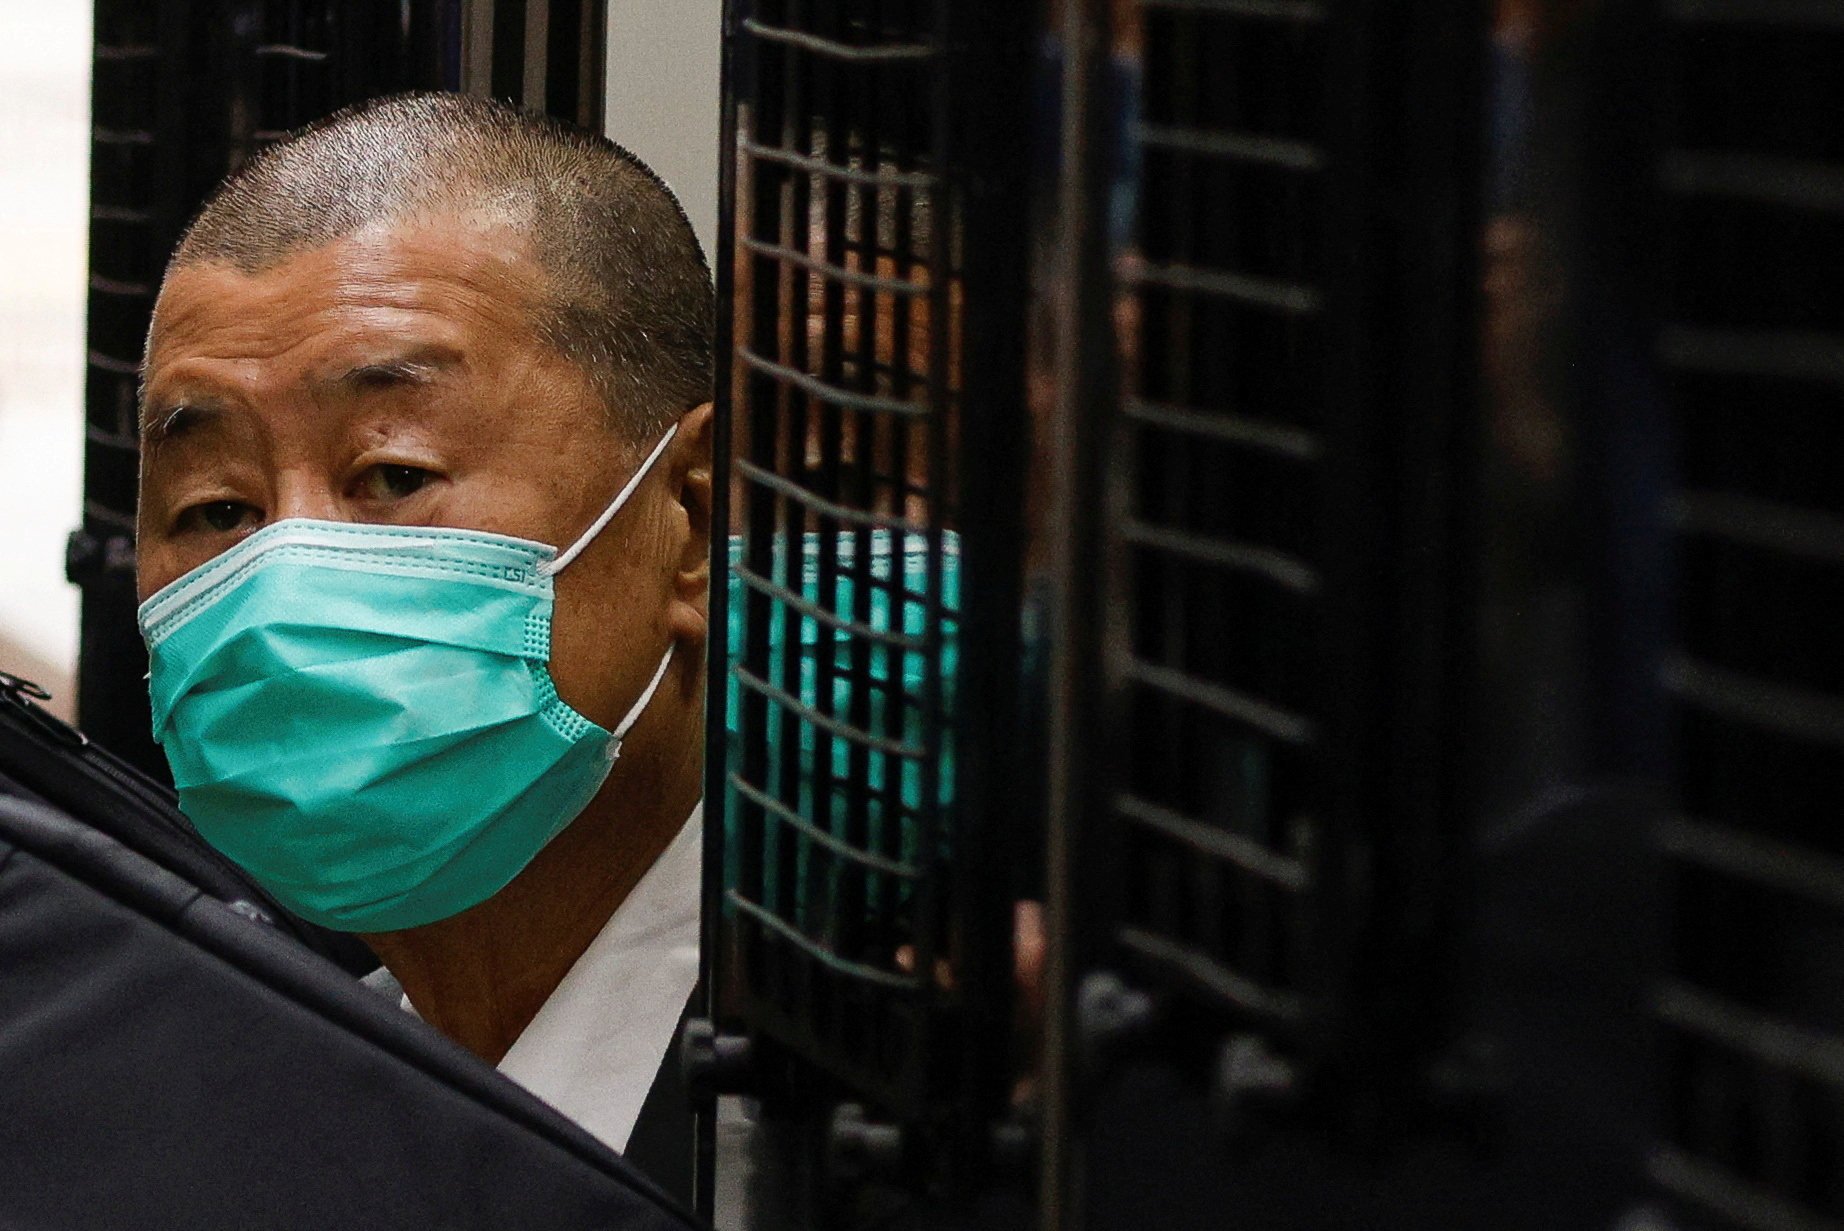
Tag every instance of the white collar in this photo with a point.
(596, 1045)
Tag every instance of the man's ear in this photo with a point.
(691, 474)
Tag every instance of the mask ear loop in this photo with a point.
(640, 706)
(552, 568)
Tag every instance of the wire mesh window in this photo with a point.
(292, 66)
(1223, 331)
(1753, 328)
(844, 604)
(126, 247)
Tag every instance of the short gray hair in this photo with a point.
(629, 296)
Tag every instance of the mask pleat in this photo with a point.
(281, 618)
(387, 834)
(392, 699)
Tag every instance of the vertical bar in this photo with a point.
(825, 870)
(1077, 338)
(718, 821)
(537, 46)
(507, 42)
(478, 23)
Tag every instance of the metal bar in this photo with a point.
(1303, 11)
(758, 421)
(1228, 427)
(507, 39)
(1783, 867)
(1191, 966)
(787, 815)
(883, 101)
(721, 821)
(1234, 849)
(933, 894)
(477, 47)
(864, 194)
(1738, 1202)
(1798, 183)
(1258, 715)
(1813, 14)
(821, 167)
(1758, 523)
(800, 710)
(1072, 352)
(855, 277)
(106, 363)
(535, 89)
(856, 627)
(1277, 566)
(1770, 1040)
(834, 50)
(819, 953)
(1293, 298)
(95, 510)
(118, 136)
(1240, 147)
(828, 393)
(819, 504)
(1790, 710)
(114, 286)
(284, 51)
(847, 922)
(127, 442)
(1783, 355)
(792, 217)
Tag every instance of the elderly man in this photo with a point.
(423, 543)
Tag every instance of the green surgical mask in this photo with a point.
(363, 717)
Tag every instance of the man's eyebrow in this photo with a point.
(171, 422)
(421, 367)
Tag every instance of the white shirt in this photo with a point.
(596, 1045)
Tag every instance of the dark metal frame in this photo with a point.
(1262, 697)
(1745, 229)
(545, 55)
(1347, 426)
(858, 183)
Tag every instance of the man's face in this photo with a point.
(394, 378)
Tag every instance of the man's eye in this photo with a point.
(391, 482)
(219, 516)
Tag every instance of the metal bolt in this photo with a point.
(1109, 1014)
(714, 1063)
(1252, 1084)
(860, 1148)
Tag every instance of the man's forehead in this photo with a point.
(340, 347)
(365, 365)
(397, 303)
(402, 263)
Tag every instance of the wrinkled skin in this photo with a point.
(394, 377)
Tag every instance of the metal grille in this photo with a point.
(135, 211)
(1752, 225)
(862, 686)
(1268, 846)
(545, 55)
(1222, 534)
(845, 392)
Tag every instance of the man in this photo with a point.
(423, 543)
